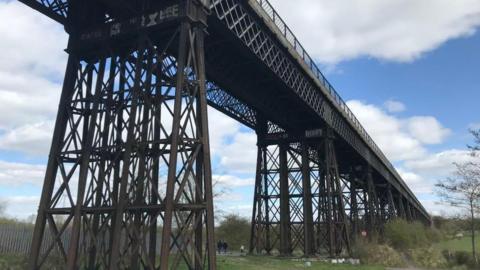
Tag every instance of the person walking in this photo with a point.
(225, 247)
(219, 246)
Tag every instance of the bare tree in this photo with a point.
(476, 147)
(462, 190)
(3, 207)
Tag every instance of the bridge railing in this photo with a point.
(288, 34)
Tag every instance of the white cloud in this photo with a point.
(387, 131)
(31, 42)
(417, 183)
(240, 155)
(405, 140)
(221, 127)
(439, 164)
(243, 210)
(32, 63)
(31, 138)
(394, 106)
(21, 207)
(232, 181)
(397, 30)
(427, 129)
(399, 138)
(13, 174)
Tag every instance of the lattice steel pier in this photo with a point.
(129, 173)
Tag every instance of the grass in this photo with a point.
(275, 263)
(232, 263)
(462, 244)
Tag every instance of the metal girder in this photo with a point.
(54, 9)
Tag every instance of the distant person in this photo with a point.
(242, 249)
(225, 247)
(219, 246)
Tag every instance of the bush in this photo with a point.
(459, 258)
(371, 253)
(403, 235)
(428, 257)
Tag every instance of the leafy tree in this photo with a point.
(235, 230)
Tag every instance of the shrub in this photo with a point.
(403, 235)
(428, 257)
(459, 258)
(434, 235)
(371, 253)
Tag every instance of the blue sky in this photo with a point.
(444, 83)
(409, 70)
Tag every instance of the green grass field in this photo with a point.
(462, 244)
(275, 263)
(230, 263)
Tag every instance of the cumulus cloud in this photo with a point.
(439, 164)
(21, 207)
(387, 131)
(32, 139)
(232, 181)
(32, 64)
(427, 129)
(396, 30)
(240, 155)
(31, 42)
(16, 174)
(399, 138)
(394, 106)
(417, 183)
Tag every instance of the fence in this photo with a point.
(15, 238)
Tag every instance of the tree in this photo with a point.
(235, 230)
(462, 190)
(476, 147)
(3, 207)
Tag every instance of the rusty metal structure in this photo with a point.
(130, 157)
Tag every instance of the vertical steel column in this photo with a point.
(96, 228)
(188, 147)
(373, 204)
(309, 243)
(53, 163)
(409, 210)
(401, 207)
(202, 116)
(266, 213)
(268, 204)
(392, 211)
(336, 232)
(285, 235)
(90, 121)
(354, 215)
(256, 226)
(127, 161)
